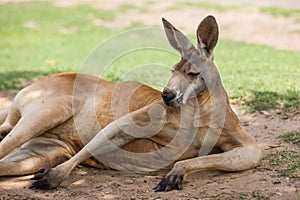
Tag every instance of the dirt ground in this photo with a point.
(263, 182)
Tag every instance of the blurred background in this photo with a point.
(257, 54)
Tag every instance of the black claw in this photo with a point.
(179, 186)
(41, 180)
(161, 185)
(169, 183)
(42, 184)
(43, 170)
(41, 174)
(157, 189)
(168, 188)
(32, 186)
(179, 183)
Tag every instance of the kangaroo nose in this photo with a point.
(168, 95)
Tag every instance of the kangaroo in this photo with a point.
(66, 119)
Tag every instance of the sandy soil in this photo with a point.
(263, 182)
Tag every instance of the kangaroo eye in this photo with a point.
(193, 74)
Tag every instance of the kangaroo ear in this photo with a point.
(177, 39)
(207, 34)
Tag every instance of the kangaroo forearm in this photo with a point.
(241, 158)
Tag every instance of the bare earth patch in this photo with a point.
(252, 27)
(243, 23)
(264, 182)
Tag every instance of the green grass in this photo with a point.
(128, 6)
(281, 12)
(37, 38)
(206, 5)
(287, 163)
(255, 194)
(40, 37)
(263, 77)
(292, 137)
(288, 101)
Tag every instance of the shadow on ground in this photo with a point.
(16, 80)
(266, 100)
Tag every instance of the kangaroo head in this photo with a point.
(193, 74)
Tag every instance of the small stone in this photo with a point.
(262, 179)
(254, 115)
(128, 181)
(276, 182)
(287, 179)
(284, 117)
(278, 193)
(116, 184)
(246, 123)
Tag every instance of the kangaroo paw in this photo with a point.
(170, 182)
(47, 179)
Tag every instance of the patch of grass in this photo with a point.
(207, 6)
(16, 80)
(135, 25)
(132, 67)
(281, 12)
(291, 137)
(128, 6)
(255, 194)
(289, 101)
(287, 163)
(263, 77)
(34, 33)
(244, 195)
(246, 68)
(41, 38)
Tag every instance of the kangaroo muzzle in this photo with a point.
(168, 96)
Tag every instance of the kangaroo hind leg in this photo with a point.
(8, 119)
(3, 115)
(40, 152)
(4, 128)
(35, 120)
